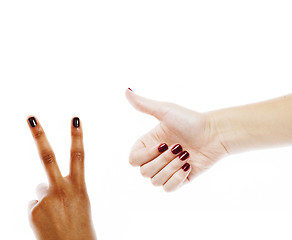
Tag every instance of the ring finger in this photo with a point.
(162, 176)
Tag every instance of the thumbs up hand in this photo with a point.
(182, 145)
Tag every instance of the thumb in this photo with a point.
(154, 108)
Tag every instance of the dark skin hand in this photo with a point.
(62, 210)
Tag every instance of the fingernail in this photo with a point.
(32, 122)
(183, 155)
(130, 89)
(176, 149)
(162, 147)
(76, 122)
(186, 167)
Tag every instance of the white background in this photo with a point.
(59, 59)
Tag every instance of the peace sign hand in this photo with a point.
(62, 210)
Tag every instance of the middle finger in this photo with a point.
(151, 168)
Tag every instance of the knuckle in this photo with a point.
(155, 182)
(38, 133)
(48, 157)
(76, 132)
(132, 160)
(144, 172)
(167, 188)
(77, 155)
(168, 106)
(165, 159)
(178, 179)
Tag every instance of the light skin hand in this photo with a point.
(192, 130)
(62, 210)
(207, 137)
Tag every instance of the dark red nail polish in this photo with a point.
(183, 155)
(130, 89)
(76, 122)
(186, 167)
(32, 122)
(162, 147)
(176, 149)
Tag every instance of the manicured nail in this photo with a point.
(32, 122)
(130, 89)
(76, 122)
(183, 155)
(176, 149)
(162, 147)
(186, 167)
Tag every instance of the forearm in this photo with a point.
(257, 125)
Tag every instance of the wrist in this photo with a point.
(227, 132)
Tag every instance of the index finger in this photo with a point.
(45, 151)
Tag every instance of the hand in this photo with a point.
(182, 145)
(62, 210)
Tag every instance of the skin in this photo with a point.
(62, 210)
(207, 136)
